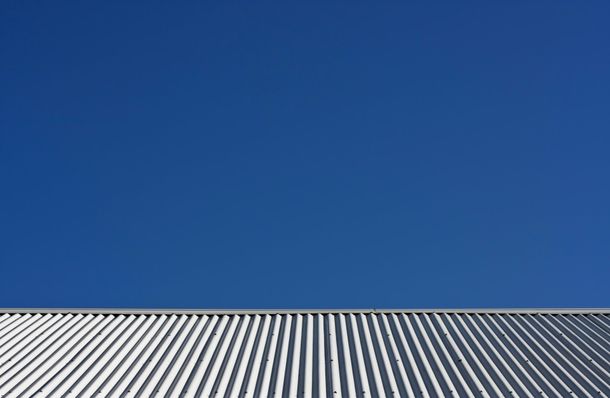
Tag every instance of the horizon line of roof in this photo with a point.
(171, 311)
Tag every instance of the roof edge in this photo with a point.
(161, 311)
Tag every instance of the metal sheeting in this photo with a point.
(313, 354)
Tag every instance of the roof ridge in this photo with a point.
(151, 311)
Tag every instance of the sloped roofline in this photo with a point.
(167, 311)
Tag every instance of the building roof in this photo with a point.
(304, 353)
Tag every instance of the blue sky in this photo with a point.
(304, 154)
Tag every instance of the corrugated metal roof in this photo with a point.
(137, 353)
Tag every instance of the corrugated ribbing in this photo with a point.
(313, 354)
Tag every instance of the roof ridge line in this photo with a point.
(151, 311)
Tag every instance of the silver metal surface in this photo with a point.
(327, 353)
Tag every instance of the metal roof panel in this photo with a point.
(304, 353)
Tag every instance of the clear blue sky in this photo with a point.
(304, 154)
